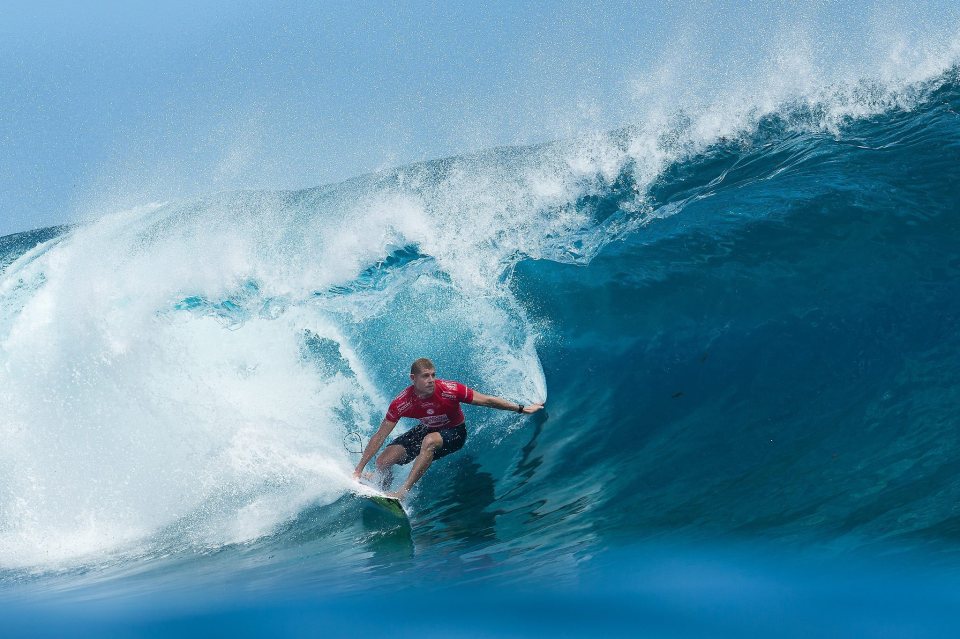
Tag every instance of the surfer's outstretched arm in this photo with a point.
(375, 443)
(492, 401)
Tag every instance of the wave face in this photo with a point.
(747, 332)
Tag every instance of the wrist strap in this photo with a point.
(519, 408)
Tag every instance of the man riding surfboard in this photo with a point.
(442, 428)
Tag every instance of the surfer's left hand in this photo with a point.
(532, 408)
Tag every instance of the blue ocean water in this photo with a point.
(744, 332)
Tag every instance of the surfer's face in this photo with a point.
(424, 381)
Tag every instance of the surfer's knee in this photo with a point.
(431, 442)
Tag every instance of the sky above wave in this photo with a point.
(109, 105)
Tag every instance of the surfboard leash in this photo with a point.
(353, 437)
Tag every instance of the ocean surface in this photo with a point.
(744, 326)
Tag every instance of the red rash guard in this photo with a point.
(441, 410)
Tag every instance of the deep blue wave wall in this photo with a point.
(778, 358)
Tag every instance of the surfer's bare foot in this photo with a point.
(397, 494)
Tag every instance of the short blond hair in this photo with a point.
(420, 365)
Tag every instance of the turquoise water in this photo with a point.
(746, 339)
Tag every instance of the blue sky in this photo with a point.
(108, 105)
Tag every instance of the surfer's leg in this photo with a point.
(431, 443)
(399, 451)
(391, 455)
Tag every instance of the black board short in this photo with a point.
(453, 440)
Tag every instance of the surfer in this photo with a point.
(442, 429)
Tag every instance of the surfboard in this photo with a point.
(384, 514)
(387, 504)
